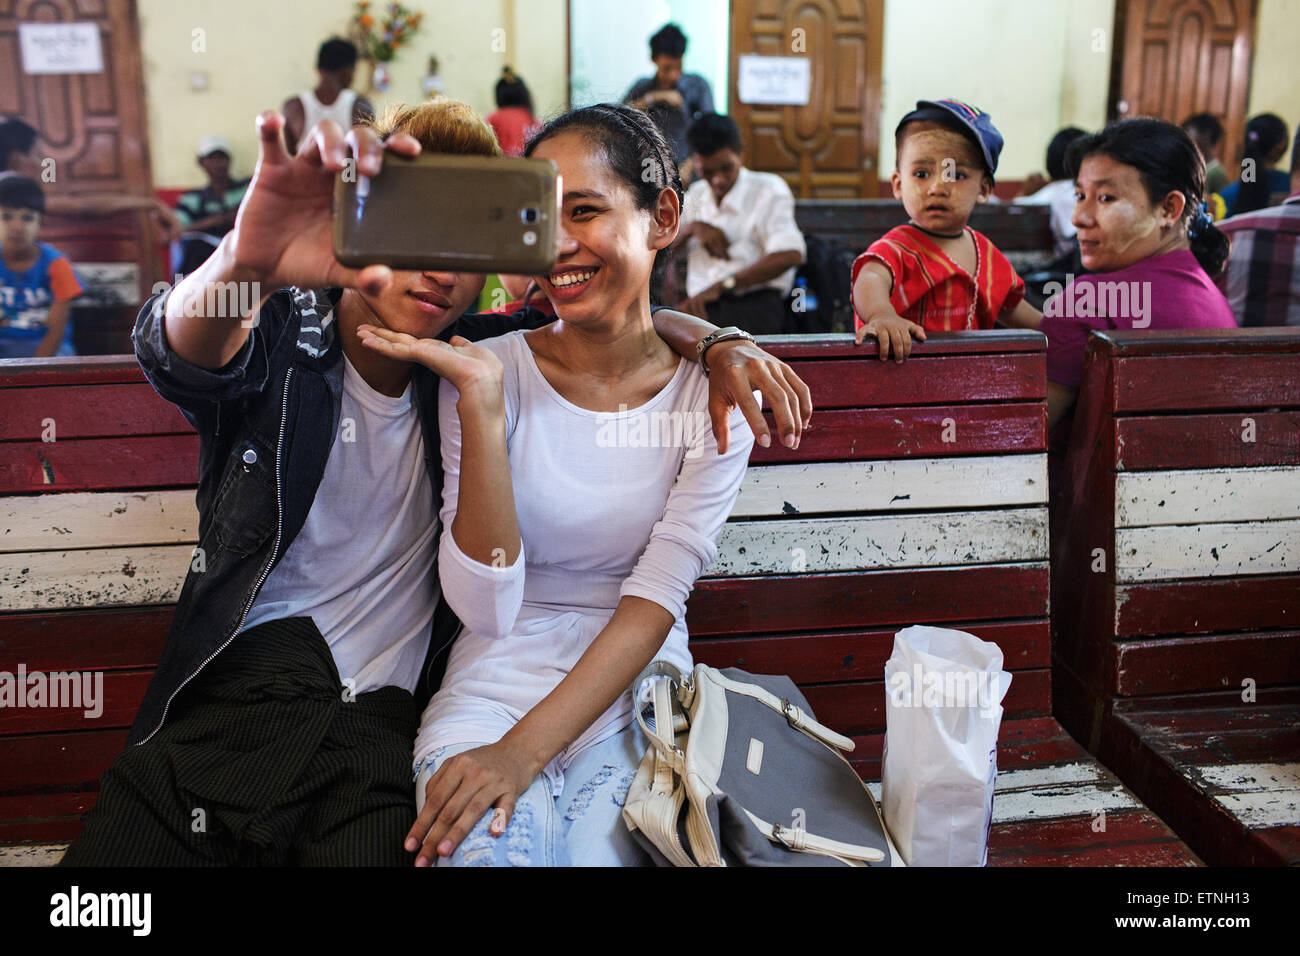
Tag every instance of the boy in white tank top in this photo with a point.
(331, 99)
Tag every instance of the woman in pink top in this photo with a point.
(1150, 248)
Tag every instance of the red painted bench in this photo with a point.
(1176, 589)
(919, 496)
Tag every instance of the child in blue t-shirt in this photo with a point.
(37, 283)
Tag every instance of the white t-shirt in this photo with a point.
(313, 110)
(362, 565)
(608, 505)
(1060, 196)
(757, 216)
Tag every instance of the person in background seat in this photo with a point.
(1207, 133)
(208, 213)
(18, 157)
(36, 280)
(744, 245)
(673, 99)
(1262, 281)
(1146, 239)
(1259, 184)
(1057, 192)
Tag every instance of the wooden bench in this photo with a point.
(918, 497)
(1176, 589)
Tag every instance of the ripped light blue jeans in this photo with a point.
(572, 817)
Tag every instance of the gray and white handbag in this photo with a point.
(739, 773)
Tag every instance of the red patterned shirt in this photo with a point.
(936, 293)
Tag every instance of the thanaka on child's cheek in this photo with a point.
(940, 178)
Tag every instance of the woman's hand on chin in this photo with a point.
(739, 368)
(461, 791)
(475, 371)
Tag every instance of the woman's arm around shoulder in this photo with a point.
(737, 369)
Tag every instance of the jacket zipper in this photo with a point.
(275, 549)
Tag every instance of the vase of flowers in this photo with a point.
(379, 37)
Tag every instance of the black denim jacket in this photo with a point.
(265, 422)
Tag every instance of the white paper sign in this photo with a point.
(775, 80)
(60, 48)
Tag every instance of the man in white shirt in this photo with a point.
(332, 98)
(744, 245)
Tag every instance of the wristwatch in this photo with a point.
(729, 284)
(713, 338)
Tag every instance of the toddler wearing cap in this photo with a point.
(935, 272)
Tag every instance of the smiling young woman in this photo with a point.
(567, 556)
(1151, 248)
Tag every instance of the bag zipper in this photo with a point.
(279, 527)
(672, 812)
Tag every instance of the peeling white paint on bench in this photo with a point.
(1070, 790)
(1257, 794)
(908, 484)
(101, 577)
(1144, 498)
(1041, 793)
(1079, 772)
(850, 544)
(1263, 808)
(1207, 550)
(32, 854)
(97, 520)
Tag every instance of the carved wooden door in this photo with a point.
(828, 148)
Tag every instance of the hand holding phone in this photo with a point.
(282, 233)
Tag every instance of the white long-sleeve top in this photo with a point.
(609, 504)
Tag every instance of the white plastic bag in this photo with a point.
(944, 706)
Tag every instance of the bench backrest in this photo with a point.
(859, 222)
(1176, 527)
(919, 496)
(97, 478)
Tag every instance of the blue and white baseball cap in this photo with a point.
(973, 121)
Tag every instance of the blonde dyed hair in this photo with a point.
(441, 125)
